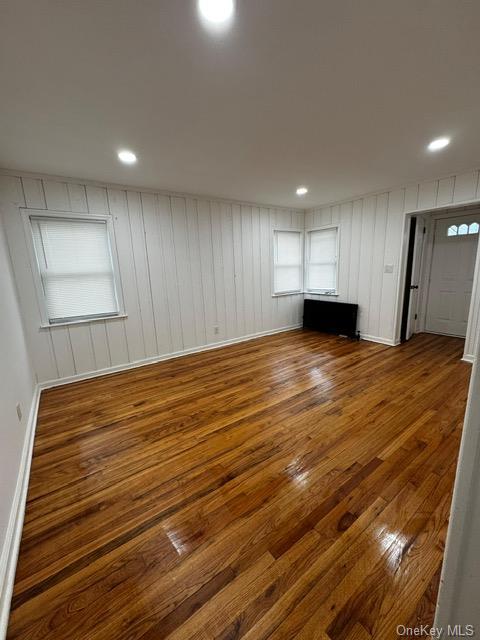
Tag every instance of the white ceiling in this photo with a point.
(339, 95)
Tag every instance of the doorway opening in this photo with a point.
(440, 270)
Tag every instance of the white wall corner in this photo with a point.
(11, 547)
(460, 579)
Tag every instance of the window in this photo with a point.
(75, 267)
(463, 229)
(322, 260)
(287, 262)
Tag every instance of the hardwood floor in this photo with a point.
(295, 486)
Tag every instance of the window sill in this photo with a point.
(68, 323)
(322, 293)
(287, 293)
(301, 293)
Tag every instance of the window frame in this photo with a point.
(27, 215)
(307, 288)
(292, 292)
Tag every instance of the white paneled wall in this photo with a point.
(371, 237)
(198, 272)
(17, 387)
(371, 230)
(194, 272)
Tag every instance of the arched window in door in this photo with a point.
(464, 229)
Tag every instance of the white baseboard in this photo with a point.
(168, 356)
(389, 341)
(9, 553)
(468, 358)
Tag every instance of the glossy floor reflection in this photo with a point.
(295, 486)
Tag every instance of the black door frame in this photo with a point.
(408, 278)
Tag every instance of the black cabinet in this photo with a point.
(331, 317)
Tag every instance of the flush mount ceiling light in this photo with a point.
(438, 143)
(301, 191)
(127, 157)
(216, 12)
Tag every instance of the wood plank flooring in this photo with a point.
(294, 486)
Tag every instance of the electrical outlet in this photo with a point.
(216, 330)
(19, 411)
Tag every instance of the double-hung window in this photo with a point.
(322, 260)
(287, 262)
(76, 271)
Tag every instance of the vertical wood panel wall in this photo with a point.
(194, 272)
(371, 236)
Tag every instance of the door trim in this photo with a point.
(444, 211)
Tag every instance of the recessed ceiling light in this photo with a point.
(217, 12)
(438, 143)
(301, 191)
(127, 157)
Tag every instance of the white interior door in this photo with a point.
(451, 275)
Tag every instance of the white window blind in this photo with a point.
(76, 268)
(322, 260)
(287, 262)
